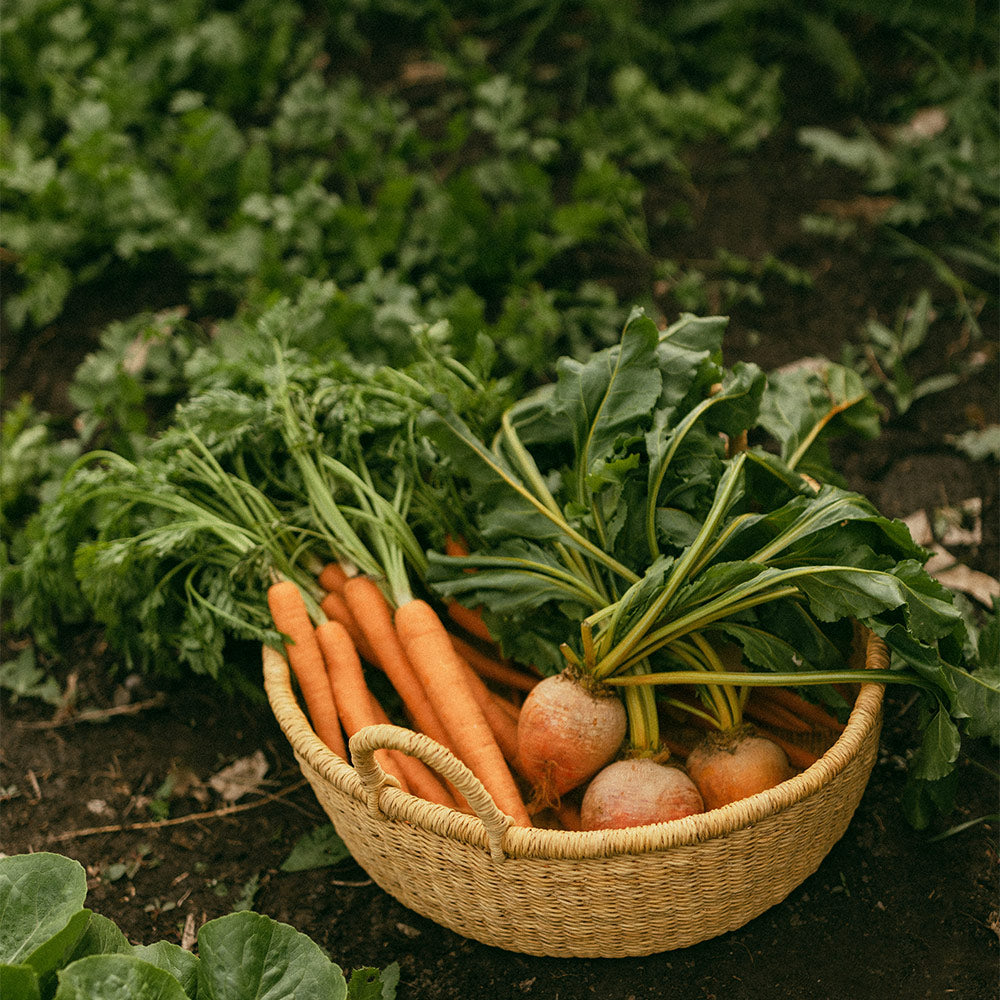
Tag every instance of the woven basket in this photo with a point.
(609, 893)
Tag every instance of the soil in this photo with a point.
(891, 912)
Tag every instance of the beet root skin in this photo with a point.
(733, 766)
(565, 734)
(636, 792)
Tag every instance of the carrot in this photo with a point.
(568, 814)
(332, 578)
(335, 608)
(512, 711)
(444, 677)
(774, 715)
(493, 669)
(471, 619)
(373, 615)
(455, 546)
(350, 691)
(291, 618)
(502, 725)
(677, 748)
(804, 709)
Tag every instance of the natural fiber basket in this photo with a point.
(594, 894)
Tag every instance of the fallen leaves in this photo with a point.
(956, 525)
(242, 777)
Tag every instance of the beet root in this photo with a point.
(731, 766)
(565, 734)
(637, 792)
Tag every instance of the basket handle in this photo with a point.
(366, 741)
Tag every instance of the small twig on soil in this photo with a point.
(189, 935)
(96, 714)
(155, 824)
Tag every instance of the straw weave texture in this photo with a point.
(610, 893)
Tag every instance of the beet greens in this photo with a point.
(648, 509)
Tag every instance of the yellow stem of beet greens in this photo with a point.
(712, 659)
(686, 706)
(529, 469)
(805, 678)
(714, 692)
(817, 428)
(677, 436)
(626, 649)
(643, 719)
(572, 535)
(708, 613)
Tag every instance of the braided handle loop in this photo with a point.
(365, 742)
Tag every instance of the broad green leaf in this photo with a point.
(373, 984)
(248, 956)
(102, 937)
(836, 592)
(823, 647)
(319, 848)
(527, 578)
(19, 982)
(507, 501)
(803, 408)
(732, 409)
(938, 749)
(172, 958)
(117, 977)
(803, 516)
(41, 909)
(923, 800)
(977, 699)
(597, 404)
(761, 648)
(688, 356)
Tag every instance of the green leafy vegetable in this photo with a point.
(739, 545)
(247, 954)
(50, 946)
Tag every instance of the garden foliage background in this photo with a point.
(827, 176)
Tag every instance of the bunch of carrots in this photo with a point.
(448, 686)
(439, 676)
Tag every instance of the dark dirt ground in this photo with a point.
(889, 913)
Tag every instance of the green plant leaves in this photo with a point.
(808, 405)
(247, 955)
(41, 915)
(53, 948)
(319, 848)
(182, 965)
(117, 977)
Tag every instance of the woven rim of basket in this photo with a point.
(519, 842)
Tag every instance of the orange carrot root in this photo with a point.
(471, 619)
(774, 715)
(335, 608)
(291, 618)
(374, 617)
(568, 814)
(807, 710)
(444, 677)
(332, 578)
(423, 782)
(493, 669)
(797, 756)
